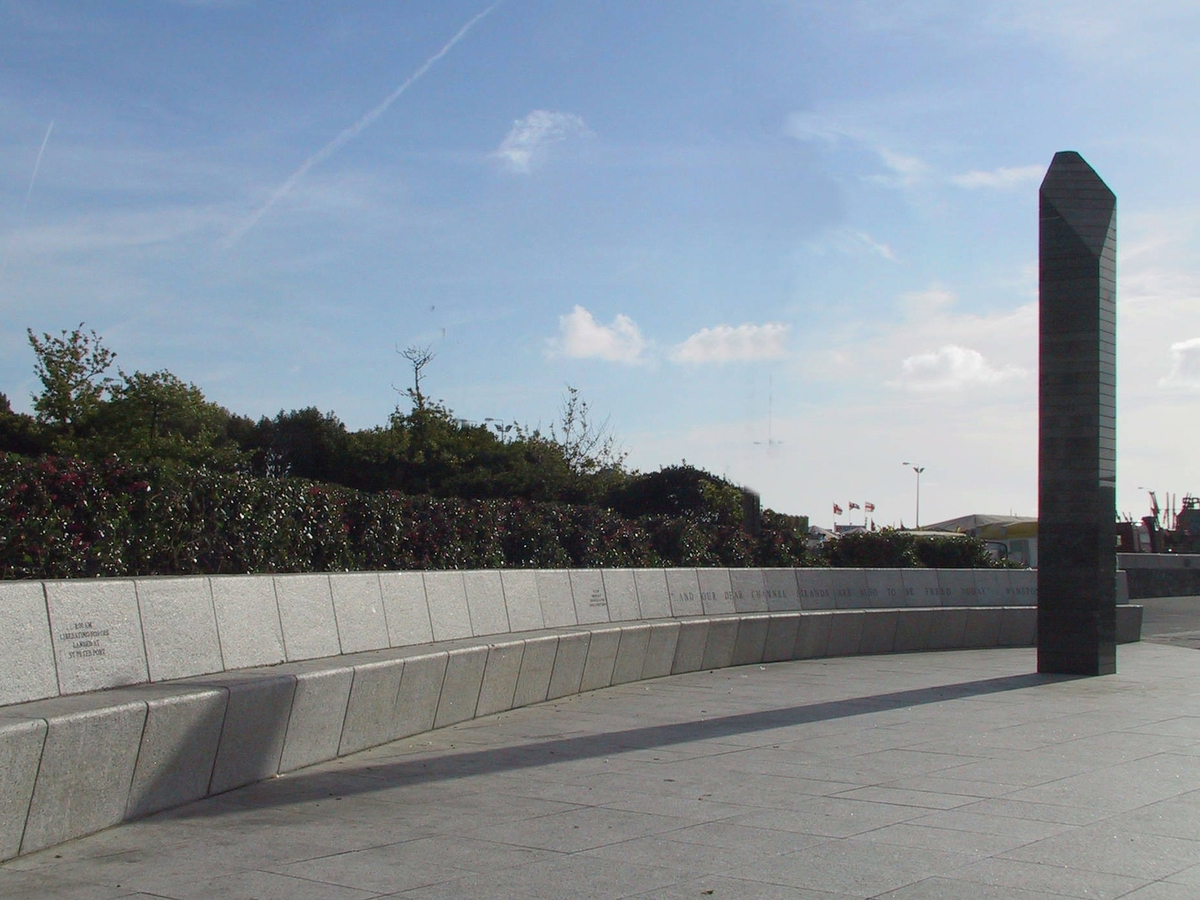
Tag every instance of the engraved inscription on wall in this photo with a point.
(597, 598)
(83, 640)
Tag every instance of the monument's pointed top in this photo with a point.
(1080, 197)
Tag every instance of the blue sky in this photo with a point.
(791, 242)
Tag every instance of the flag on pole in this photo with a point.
(853, 505)
(869, 507)
(837, 510)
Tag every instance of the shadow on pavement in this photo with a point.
(424, 768)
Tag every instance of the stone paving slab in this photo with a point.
(914, 776)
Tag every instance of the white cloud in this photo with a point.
(903, 171)
(1004, 178)
(1185, 366)
(582, 337)
(925, 304)
(850, 242)
(875, 246)
(951, 368)
(810, 126)
(725, 343)
(529, 138)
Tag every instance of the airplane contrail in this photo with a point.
(36, 165)
(352, 132)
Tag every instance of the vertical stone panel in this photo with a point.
(27, 669)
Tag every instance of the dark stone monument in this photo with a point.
(1077, 433)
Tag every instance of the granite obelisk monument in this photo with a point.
(1077, 431)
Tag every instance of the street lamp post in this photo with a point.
(918, 470)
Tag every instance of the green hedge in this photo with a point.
(63, 518)
(891, 549)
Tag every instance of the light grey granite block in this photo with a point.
(912, 629)
(97, 634)
(991, 587)
(460, 689)
(631, 655)
(1022, 588)
(660, 649)
(815, 587)
(812, 637)
(683, 587)
(949, 629)
(255, 727)
(845, 632)
(370, 717)
(591, 601)
(406, 608)
(601, 659)
(878, 631)
(718, 649)
(850, 589)
(621, 589)
(500, 677)
(247, 620)
(781, 637)
(554, 593)
(86, 767)
(420, 690)
(485, 602)
(521, 599)
(781, 589)
(751, 642)
(747, 587)
(180, 627)
(315, 726)
(27, 670)
(716, 592)
(1018, 627)
(886, 587)
(921, 587)
(653, 597)
(568, 665)
(448, 612)
(868, 594)
(21, 742)
(983, 627)
(178, 747)
(306, 614)
(689, 646)
(358, 608)
(958, 587)
(537, 665)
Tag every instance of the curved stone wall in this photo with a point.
(125, 697)
(71, 637)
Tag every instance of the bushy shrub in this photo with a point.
(63, 518)
(890, 549)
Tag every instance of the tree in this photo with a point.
(70, 368)
(303, 443)
(419, 357)
(157, 416)
(588, 447)
(19, 433)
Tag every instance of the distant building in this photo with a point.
(1008, 537)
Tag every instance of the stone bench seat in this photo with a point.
(75, 764)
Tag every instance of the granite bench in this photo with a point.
(123, 697)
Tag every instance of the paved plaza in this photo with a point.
(933, 775)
